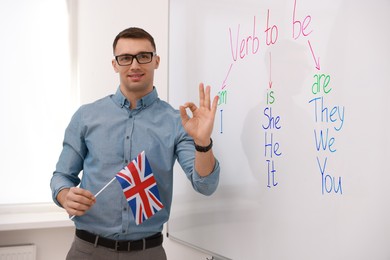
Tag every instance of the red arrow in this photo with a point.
(270, 67)
(224, 81)
(317, 61)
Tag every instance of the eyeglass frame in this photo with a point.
(153, 53)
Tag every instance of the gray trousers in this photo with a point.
(82, 250)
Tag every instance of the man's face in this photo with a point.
(135, 79)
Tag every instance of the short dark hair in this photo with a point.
(134, 33)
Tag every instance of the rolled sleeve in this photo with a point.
(206, 185)
(71, 159)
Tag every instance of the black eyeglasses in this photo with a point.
(142, 58)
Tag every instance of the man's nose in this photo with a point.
(135, 63)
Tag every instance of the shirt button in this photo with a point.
(126, 161)
(124, 209)
(130, 116)
(127, 137)
(123, 231)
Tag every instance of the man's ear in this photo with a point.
(115, 65)
(157, 62)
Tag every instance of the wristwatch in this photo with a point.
(204, 149)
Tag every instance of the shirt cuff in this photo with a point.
(207, 185)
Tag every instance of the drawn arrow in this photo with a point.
(224, 81)
(270, 74)
(317, 61)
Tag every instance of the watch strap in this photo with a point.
(204, 149)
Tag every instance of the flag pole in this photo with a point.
(104, 187)
(97, 194)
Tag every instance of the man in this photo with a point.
(103, 137)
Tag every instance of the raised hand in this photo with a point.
(200, 125)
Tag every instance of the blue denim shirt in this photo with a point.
(102, 138)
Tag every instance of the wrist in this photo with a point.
(61, 196)
(202, 141)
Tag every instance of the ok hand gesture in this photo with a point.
(200, 126)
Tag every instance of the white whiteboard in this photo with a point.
(312, 181)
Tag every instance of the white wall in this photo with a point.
(32, 125)
(51, 243)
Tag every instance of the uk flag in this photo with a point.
(140, 188)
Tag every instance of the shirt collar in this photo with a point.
(145, 101)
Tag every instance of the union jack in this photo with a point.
(140, 188)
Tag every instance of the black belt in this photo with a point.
(121, 245)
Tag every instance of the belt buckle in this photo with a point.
(128, 246)
(116, 245)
